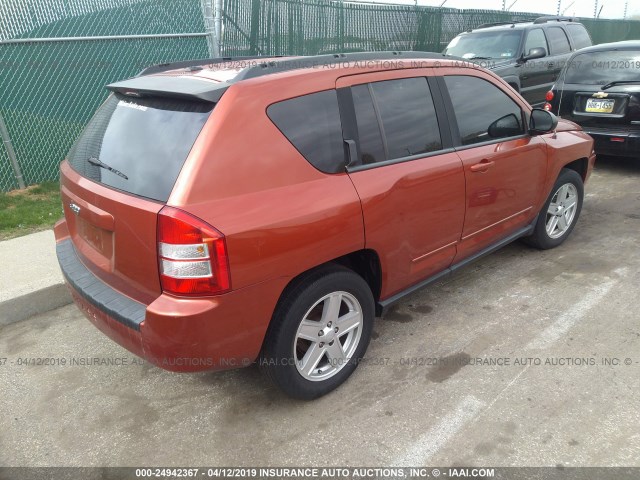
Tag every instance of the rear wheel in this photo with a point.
(320, 332)
(560, 213)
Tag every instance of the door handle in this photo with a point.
(550, 65)
(483, 166)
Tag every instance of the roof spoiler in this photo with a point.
(173, 87)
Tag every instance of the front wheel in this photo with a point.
(560, 213)
(320, 332)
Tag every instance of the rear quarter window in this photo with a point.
(579, 36)
(312, 124)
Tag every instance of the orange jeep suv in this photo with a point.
(224, 212)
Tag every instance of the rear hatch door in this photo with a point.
(118, 176)
(601, 90)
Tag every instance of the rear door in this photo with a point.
(504, 172)
(118, 176)
(601, 90)
(560, 52)
(537, 77)
(409, 179)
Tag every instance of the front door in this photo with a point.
(537, 75)
(504, 168)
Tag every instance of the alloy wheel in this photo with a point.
(328, 336)
(562, 210)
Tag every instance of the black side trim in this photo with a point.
(119, 307)
(383, 305)
(451, 114)
(349, 126)
(441, 113)
(393, 161)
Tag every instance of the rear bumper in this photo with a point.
(177, 334)
(608, 142)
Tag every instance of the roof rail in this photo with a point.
(295, 63)
(169, 86)
(497, 24)
(553, 19)
(163, 67)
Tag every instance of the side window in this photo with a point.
(312, 124)
(480, 107)
(579, 35)
(536, 39)
(396, 119)
(371, 146)
(558, 41)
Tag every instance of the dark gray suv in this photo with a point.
(528, 55)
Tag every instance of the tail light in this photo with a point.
(548, 97)
(192, 255)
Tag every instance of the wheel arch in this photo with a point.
(365, 263)
(580, 166)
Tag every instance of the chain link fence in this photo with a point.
(56, 56)
(61, 54)
(311, 27)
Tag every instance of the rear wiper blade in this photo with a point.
(99, 163)
(480, 58)
(621, 82)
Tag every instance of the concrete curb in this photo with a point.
(31, 282)
(34, 303)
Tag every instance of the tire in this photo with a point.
(556, 220)
(303, 354)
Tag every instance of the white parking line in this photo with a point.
(561, 326)
(432, 441)
(471, 407)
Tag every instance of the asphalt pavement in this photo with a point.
(525, 358)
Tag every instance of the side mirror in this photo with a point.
(534, 53)
(507, 126)
(542, 121)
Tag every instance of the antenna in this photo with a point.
(563, 77)
(568, 7)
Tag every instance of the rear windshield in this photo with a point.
(600, 68)
(486, 45)
(138, 145)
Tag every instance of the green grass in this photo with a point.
(30, 210)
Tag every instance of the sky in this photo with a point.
(579, 8)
